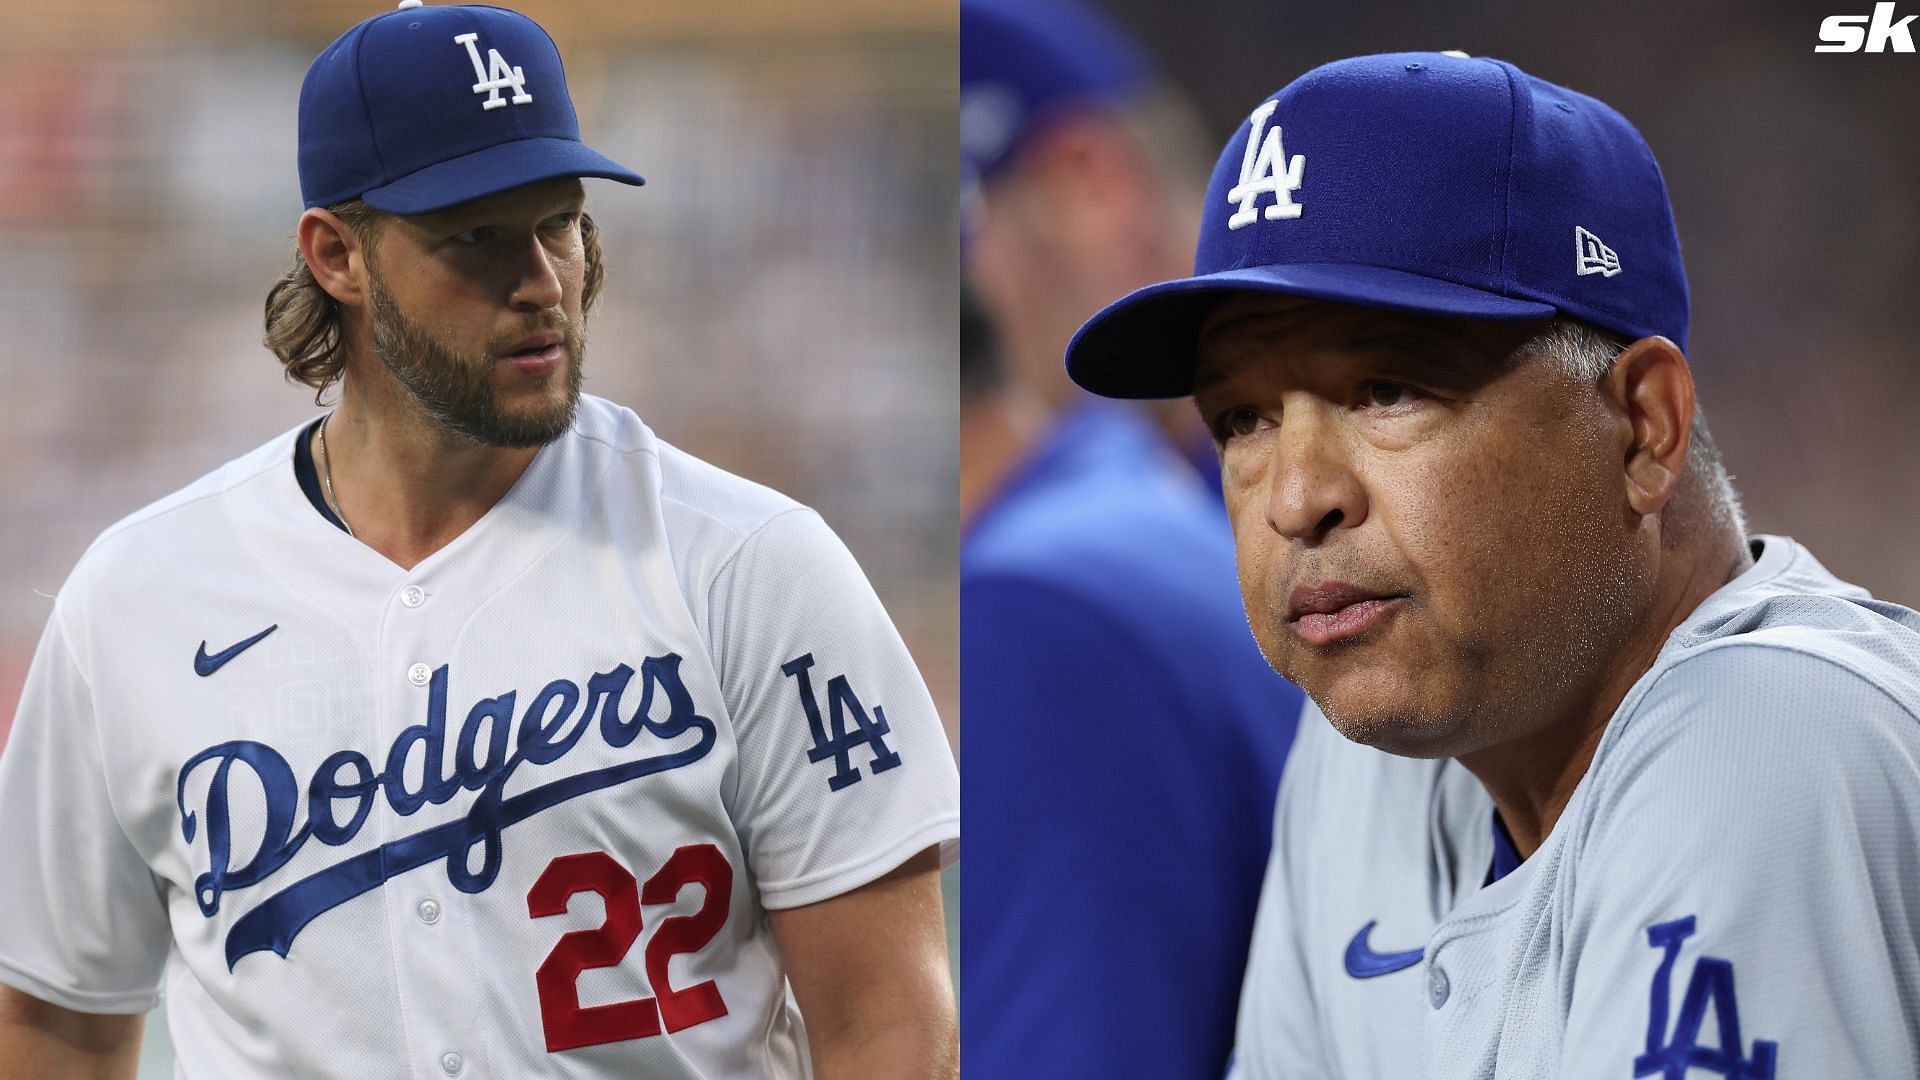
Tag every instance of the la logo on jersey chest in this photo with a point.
(494, 75)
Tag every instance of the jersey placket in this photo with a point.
(1469, 971)
(431, 936)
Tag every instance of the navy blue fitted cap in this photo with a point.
(423, 108)
(1429, 183)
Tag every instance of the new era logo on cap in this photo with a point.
(1590, 256)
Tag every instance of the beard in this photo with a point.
(455, 390)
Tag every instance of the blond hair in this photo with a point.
(306, 328)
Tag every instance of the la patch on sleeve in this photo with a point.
(832, 739)
(1669, 1057)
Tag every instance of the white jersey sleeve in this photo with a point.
(844, 768)
(86, 926)
(1777, 936)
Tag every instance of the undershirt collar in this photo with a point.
(1506, 857)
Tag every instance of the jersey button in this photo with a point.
(451, 1063)
(429, 911)
(413, 596)
(420, 674)
(1437, 986)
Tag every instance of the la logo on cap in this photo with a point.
(496, 75)
(1266, 170)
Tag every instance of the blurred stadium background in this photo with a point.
(780, 301)
(1792, 177)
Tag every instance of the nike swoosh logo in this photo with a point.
(204, 665)
(1364, 963)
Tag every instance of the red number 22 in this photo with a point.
(567, 1024)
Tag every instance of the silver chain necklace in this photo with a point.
(326, 477)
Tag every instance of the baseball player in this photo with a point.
(470, 731)
(1596, 784)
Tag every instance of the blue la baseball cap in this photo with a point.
(1025, 64)
(422, 108)
(1431, 183)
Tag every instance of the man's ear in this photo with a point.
(334, 254)
(1652, 388)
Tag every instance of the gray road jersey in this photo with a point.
(1733, 889)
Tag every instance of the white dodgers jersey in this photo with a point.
(517, 812)
(1732, 891)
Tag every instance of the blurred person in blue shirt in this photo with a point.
(1123, 736)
